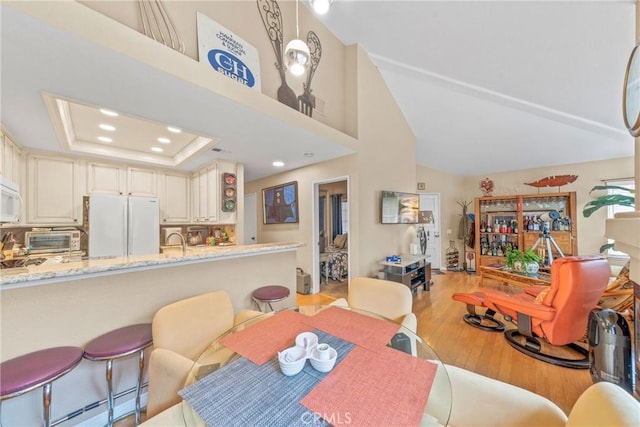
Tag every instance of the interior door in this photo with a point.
(250, 221)
(430, 209)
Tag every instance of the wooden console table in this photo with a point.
(516, 279)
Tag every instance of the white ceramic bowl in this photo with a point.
(311, 340)
(292, 360)
(324, 365)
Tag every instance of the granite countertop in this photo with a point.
(170, 256)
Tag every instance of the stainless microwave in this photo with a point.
(52, 241)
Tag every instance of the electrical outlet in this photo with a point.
(449, 231)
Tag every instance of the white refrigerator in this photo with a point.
(122, 225)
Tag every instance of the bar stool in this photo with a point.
(37, 369)
(269, 294)
(114, 345)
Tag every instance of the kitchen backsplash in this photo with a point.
(229, 229)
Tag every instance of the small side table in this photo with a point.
(412, 270)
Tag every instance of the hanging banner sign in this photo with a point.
(227, 53)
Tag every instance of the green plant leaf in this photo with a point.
(607, 200)
(611, 187)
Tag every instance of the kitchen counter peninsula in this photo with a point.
(69, 304)
(72, 303)
(48, 273)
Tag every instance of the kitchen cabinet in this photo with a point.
(120, 180)
(10, 158)
(54, 190)
(142, 182)
(174, 198)
(519, 221)
(205, 195)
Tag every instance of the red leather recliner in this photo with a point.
(559, 313)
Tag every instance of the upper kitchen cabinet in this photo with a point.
(10, 157)
(204, 185)
(174, 198)
(141, 182)
(54, 190)
(119, 180)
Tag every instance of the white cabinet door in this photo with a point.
(10, 159)
(195, 198)
(54, 191)
(106, 179)
(142, 182)
(212, 194)
(174, 198)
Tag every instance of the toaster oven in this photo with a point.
(52, 241)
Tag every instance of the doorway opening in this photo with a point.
(331, 234)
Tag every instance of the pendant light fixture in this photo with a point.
(296, 54)
(320, 6)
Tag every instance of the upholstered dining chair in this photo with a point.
(181, 331)
(557, 314)
(392, 300)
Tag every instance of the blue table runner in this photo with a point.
(243, 393)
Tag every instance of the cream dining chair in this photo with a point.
(389, 299)
(181, 331)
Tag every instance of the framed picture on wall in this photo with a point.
(280, 204)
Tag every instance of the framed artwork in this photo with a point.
(280, 204)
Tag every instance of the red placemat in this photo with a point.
(384, 388)
(261, 341)
(354, 327)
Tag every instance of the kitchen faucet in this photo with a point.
(184, 242)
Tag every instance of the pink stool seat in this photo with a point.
(119, 342)
(32, 370)
(269, 294)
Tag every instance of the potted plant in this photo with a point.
(531, 261)
(513, 259)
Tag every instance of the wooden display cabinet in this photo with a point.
(518, 221)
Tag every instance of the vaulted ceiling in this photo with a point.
(493, 86)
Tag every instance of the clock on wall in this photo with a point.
(631, 93)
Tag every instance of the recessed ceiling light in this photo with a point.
(108, 112)
(106, 127)
(164, 140)
(174, 130)
(105, 139)
(157, 149)
(278, 164)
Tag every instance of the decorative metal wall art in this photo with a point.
(272, 20)
(158, 25)
(487, 187)
(553, 181)
(307, 101)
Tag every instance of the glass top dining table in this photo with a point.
(384, 375)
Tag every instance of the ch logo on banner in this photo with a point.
(231, 66)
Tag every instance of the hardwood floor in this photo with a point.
(440, 324)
